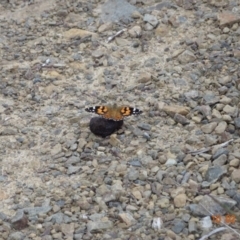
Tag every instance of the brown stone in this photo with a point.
(172, 110)
(75, 32)
(228, 18)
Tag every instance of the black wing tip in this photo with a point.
(89, 109)
(136, 111)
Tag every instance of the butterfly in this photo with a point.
(114, 112)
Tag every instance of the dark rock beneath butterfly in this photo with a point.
(104, 127)
(20, 220)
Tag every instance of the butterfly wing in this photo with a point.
(100, 110)
(127, 111)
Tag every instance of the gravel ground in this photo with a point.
(165, 172)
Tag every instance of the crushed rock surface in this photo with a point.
(165, 172)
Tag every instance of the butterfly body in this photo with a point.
(114, 112)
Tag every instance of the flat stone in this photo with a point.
(186, 57)
(76, 32)
(181, 119)
(117, 11)
(205, 110)
(144, 77)
(105, 27)
(220, 161)
(99, 226)
(210, 98)
(127, 218)
(37, 210)
(178, 225)
(237, 122)
(227, 18)
(208, 128)
(207, 204)
(221, 127)
(73, 169)
(230, 110)
(214, 173)
(133, 175)
(172, 110)
(171, 162)
(16, 236)
(192, 226)
(219, 152)
(56, 149)
(8, 131)
(236, 175)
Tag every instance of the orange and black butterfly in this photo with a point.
(114, 112)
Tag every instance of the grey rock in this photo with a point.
(146, 160)
(59, 218)
(152, 20)
(205, 110)
(210, 140)
(211, 98)
(192, 226)
(37, 210)
(186, 57)
(72, 160)
(8, 131)
(237, 198)
(221, 127)
(193, 94)
(73, 169)
(178, 225)
(208, 204)
(219, 152)
(46, 237)
(181, 119)
(3, 216)
(99, 226)
(78, 236)
(74, 147)
(160, 174)
(208, 128)
(96, 216)
(232, 111)
(145, 126)
(186, 217)
(135, 162)
(16, 236)
(220, 161)
(214, 173)
(116, 11)
(237, 122)
(171, 162)
(133, 174)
